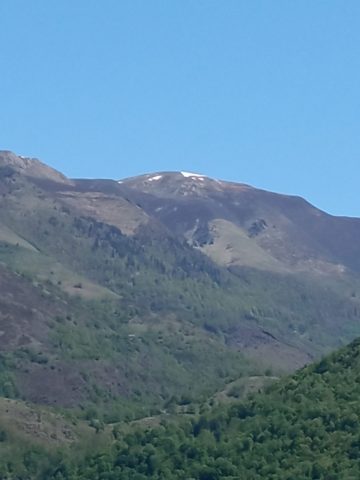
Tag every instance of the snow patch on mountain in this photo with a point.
(193, 175)
(156, 177)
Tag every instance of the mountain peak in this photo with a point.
(30, 167)
(179, 183)
(10, 158)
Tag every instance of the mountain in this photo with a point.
(122, 296)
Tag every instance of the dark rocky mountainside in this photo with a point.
(236, 224)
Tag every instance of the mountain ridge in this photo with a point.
(286, 232)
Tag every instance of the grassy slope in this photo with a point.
(231, 245)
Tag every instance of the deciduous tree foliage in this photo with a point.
(306, 426)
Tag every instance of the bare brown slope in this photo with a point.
(27, 315)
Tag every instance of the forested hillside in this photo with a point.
(306, 426)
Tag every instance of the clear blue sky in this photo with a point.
(262, 92)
